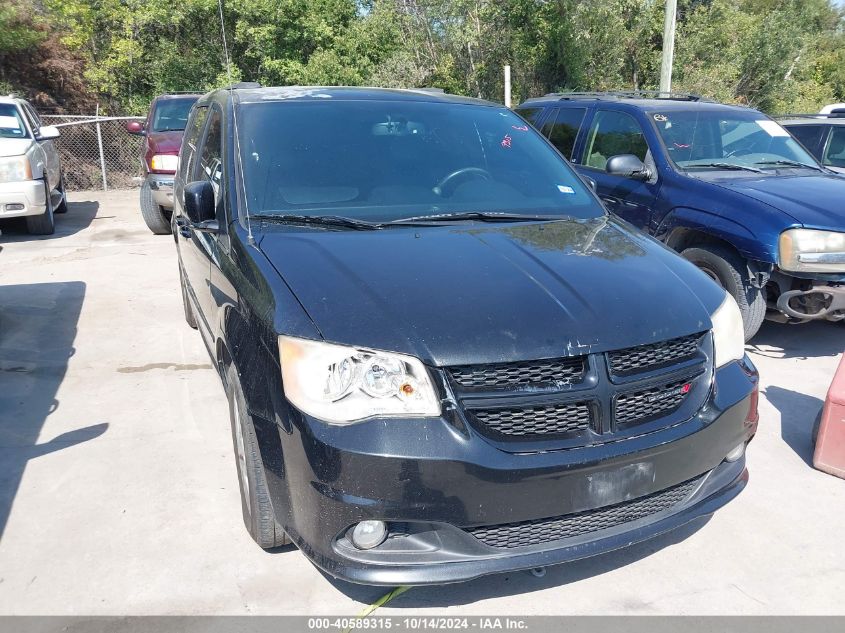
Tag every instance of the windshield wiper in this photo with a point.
(483, 216)
(318, 220)
(790, 163)
(733, 166)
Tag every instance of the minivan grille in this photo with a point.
(538, 420)
(557, 371)
(647, 404)
(537, 532)
(653, 355)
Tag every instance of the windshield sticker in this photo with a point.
(660, 118)
(521, 128)
(772, 128)
(565, 189)
(9, 123)
(507, 141)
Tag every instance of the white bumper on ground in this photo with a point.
(22, 198)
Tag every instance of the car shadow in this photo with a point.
(37, 330)
(517, 583)
(807, 340)
(798, 413)
(79, 216)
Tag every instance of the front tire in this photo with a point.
(258, 513)
(154, 216)
(44, 224)
(730, 271)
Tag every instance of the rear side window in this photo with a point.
(612, 134)
(189, 144)
(834, 154)
(530, 114)
(211, 154)
(562, 129)
(808, 135)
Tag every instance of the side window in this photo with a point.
(31, 118)
(834, 153)
(808, 135)
(211, 154)
(188, 159)
(611, 134)
(530, 114)
(562, 129)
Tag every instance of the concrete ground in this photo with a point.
(118, 492)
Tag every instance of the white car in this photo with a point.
(31, 182)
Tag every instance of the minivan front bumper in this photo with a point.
(434, 483)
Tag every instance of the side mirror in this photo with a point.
(627, 166)
(48, 133)
(135, 127)
(590, 182)
(199, 205)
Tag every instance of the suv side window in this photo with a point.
(834, 153)
(562, 129)
(31, 117)
(191, 140)
(211, 154)
(808, 135)
(613, 133)
(530, 114)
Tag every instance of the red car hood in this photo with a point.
(165, 142)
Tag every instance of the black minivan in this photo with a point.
(443, 357)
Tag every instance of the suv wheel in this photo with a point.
(62, 208)
(155, 217)
(44, 224)
(258, 513)
(729, 270)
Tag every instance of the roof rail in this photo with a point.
(438, 91)
(630, 94)
(812, 115)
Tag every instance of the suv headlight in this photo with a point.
(164, 162)
(728, 332)
(340, 384)
(812, 251)
(15, 169)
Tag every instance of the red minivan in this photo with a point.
(162, 132)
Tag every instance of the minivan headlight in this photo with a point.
(728, 332)
(340, 384)
(15, 169)
(164, 162)
(812, 251)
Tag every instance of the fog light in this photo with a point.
(369, 534)
(736, 453)
(14, 207)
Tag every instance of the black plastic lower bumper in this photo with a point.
(432, 482)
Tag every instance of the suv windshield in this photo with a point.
(728, 139)
(172, 114)
(11, 124)
(391, 160)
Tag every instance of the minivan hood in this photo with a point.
(815, 201)
(14, 146)
(494, 293)
(165, 142)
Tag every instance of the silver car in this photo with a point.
(31, 182)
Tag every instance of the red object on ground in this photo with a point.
(830, 444)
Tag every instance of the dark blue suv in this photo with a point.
(725, 186)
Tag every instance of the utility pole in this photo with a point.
(668, 46)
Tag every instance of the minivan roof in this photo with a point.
(346, 93)
(640, 104)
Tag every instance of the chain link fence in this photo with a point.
(97, 152)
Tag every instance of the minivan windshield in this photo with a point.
(385, 161)
(728, 139)
(171, 115)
